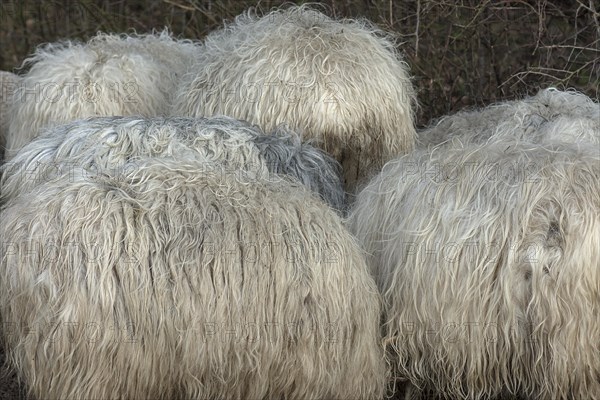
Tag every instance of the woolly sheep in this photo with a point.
(108, 75)
(170, 281)
(551, 114)
(341, 82)
(9, 384)
(102, 143)
(487, 258)
(8, 84)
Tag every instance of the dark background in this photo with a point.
(461, 53)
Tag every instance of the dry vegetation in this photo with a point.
(461, 53)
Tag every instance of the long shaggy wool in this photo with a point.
(173, 282)
(341, 82)
(487, 257)
(8, 84)
(106, 144)
(285, 153)
(550, 115)
(10, 387)
(108, 75)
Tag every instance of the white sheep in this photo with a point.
(171, 281)
(108, 75)
(341, 82)
(487, 257)
(551, 114)
(107, 143)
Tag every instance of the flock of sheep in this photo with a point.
(255, 216)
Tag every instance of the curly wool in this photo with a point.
(108, 75)
(551, 114)
(10, 387)
(8, 84)
(340, 82)
(487, 258)
(107, 143)
(285, 153)
(173, 282)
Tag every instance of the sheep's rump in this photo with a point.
(10, 389)
(170, 281)
(108, 143)
(341, 82)
(8, 84)
(487, 258)
(108, 75)
(550, 115)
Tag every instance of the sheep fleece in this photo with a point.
(170, 281)
(108, 143)
(487, 258)
(551, 114)
(108, 75)
(341, 82)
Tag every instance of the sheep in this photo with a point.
(286, 154)
(585, 131)
(551, 114)
(170, 281)
(101, 143)
(341, 82)
(10, 387)
(109, 75)
(487, 258)
(8, 84)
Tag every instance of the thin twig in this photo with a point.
(417, 29)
